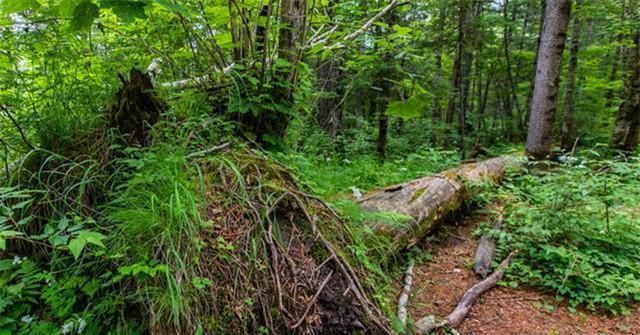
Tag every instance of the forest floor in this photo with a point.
(441, 281)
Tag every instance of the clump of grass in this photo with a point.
(156, 224)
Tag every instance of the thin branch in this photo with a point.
(17, 125)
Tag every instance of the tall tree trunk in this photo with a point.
(543, 6)
(568, 121)
(329, 111)
(436, 108)
(627, 125)
(383, 126)
(620, 50)
(513, 98)
(548, 68)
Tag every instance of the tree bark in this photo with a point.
(429, 201)
(543, 6)
(329, 111)
(568, 123)
(548, 68)
(627, 124)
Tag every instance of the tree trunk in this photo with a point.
(627, 124)
(548, 68)
(568, 123)
(436, 108)
(429, 201)
(383, 126)
(512, 98)
(616, 61)
(329, 111)
(543, 6)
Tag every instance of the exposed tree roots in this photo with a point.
(273, 255)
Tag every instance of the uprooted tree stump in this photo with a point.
(136, 108)
(429, 201)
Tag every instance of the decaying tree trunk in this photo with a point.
(428, 201)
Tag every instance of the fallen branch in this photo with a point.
(430, 323)
(404, 296)
(350, 37)
(215, 148)
(487, 248)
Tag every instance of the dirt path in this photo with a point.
(439, 283)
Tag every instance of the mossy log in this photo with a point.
(428, 201)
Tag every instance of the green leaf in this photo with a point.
(92, 237)
(76, 246)
(127, 10)
(407, 110)
(83, 15)
(13, 6)
(174, 8)
(3, 243)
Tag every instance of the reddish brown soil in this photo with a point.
(439, 283)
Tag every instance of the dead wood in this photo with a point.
(428, 201)
(430, 323)
(487, 249)
(404, 296)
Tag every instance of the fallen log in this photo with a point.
(430, 323)
(487, 249)
(428, 201)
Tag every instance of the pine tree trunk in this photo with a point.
(543, 6)
(548, 68)
(627, 125)
(329, 111)
(568, 123)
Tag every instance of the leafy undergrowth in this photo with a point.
(578, 231)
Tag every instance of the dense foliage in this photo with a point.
(154, 150)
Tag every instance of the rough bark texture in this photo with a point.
(548, 67)
(627, 125)
(568, 122)
(428, 200)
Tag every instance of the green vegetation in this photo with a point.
(190, 166)
(578, 238)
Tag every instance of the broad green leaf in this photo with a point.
(92, 237)
(13, 6)
(83, 15)
(76, 246)
(3, 243)
(126, 10)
